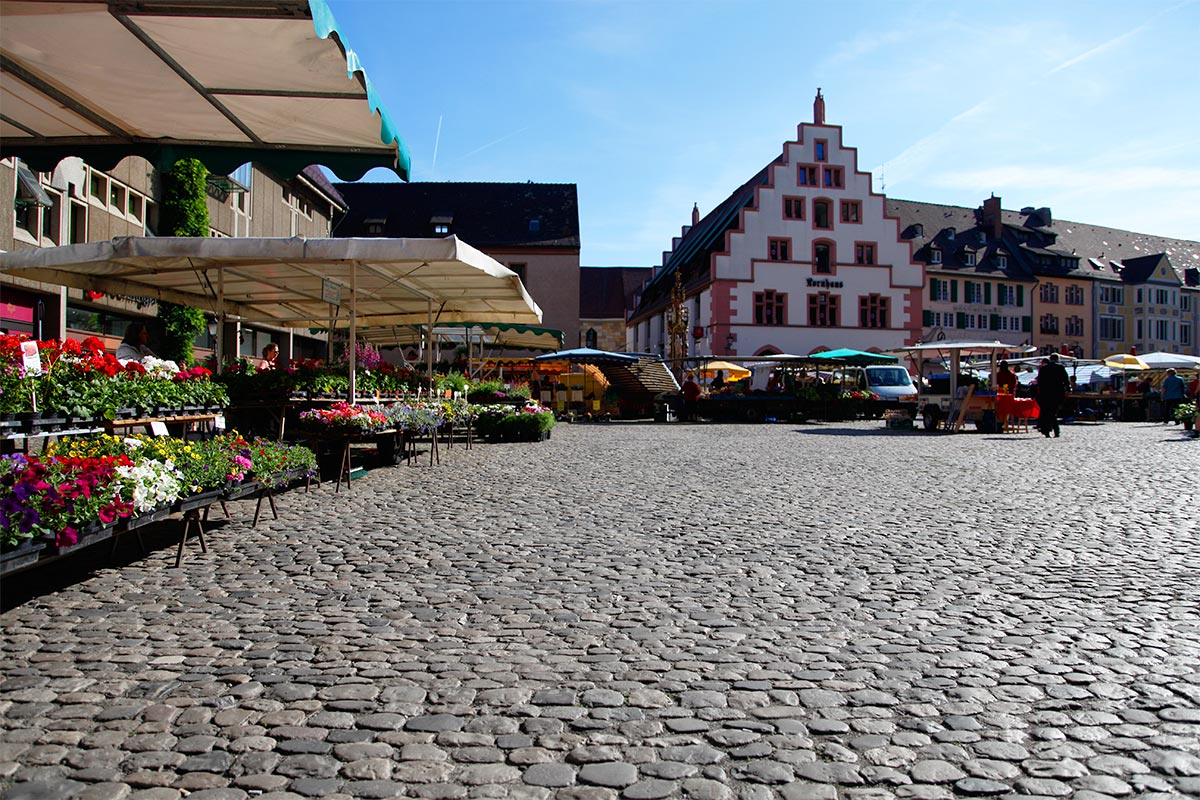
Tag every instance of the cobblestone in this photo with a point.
(835, 612)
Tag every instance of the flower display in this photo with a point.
(514, 423)
(151, 484)
(345, 417)
(56, 496)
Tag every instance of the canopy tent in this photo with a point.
(730, 371)
(854, 358)
(951, 353)
(295, 282)
(510, 337)
(1124, 361)
(223, 81)
(1170, 361)
(588, 355)
(499, 337)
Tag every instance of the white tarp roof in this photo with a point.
(225, 81)
(281, 281)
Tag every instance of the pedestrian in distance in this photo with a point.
(1052, 385)
(1174, 391)
(1006, 379)
(691, 393)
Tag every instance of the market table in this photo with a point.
(1014, 412)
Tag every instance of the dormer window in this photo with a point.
(441, 224)
(374, 227)
(935, 255)
(1001, 261)
(969, 258)
(441, 228)
(535, 225)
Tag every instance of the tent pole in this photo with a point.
(353, 322)
(220, 318)
(429, 352)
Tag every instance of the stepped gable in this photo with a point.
(484, 215)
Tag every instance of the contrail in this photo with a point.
(489, 144)
(436, 140)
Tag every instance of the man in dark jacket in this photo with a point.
(1053, 383)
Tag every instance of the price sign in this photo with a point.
(331, 292)
(219, 423)
(31, 359)
(158, 428)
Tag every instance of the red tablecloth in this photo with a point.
(1019, 407)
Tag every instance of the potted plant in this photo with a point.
(1186, 414)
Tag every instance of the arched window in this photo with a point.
(823, 257)
(822, 216)
(589, 338)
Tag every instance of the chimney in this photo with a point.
(819, 109)
(695, 213)
(992, 218)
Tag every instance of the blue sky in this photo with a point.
(650, 106)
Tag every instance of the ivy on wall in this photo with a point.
(183, 212)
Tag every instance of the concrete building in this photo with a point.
(604, 295)
(802, 257)
(76, 203)
(531, 228)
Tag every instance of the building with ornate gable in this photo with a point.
(802, 257)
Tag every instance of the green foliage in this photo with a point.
(184, 210)
(181, 326)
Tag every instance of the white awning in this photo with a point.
(284, 281)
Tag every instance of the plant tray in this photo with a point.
(241, 490)
(202, 500)
(21, 555)
(156, 515)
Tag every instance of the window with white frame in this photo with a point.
(1049, 323)
(1139, 297)
(1073, 295)
(1008, 323)
(940, 290)
(1185, 302)
(1001, 261)
(1048, 293)
(969, 258)
(1074, 326)
(974, 292)
(1185, 334)
(1162, 297)
(1112, 296)
(935, 255)
(1140, 328)
(975, 322)
(1162, 330)
(1006, 295)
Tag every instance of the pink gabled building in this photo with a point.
(800, 258)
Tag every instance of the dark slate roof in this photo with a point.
(481, 214)
(314, 174)
(1096, 247)
(605, 292)
(692, 253)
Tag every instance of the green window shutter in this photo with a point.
(933, 288)
(1026, 324)
(999, 294)
(960, 320)
(927, 319)
(953, 291)
(995, 322)
(1020, 295)
(987, 294)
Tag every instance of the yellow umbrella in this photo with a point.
(731, 371)
(1125, 361)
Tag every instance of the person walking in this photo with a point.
(1174, 391)
(1052, 386)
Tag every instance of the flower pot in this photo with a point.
(195, 501)
(21, 554)
(127, 413)
(238, 491)
(148, 517)
(88, 535)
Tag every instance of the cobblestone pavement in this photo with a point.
(647, 611)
